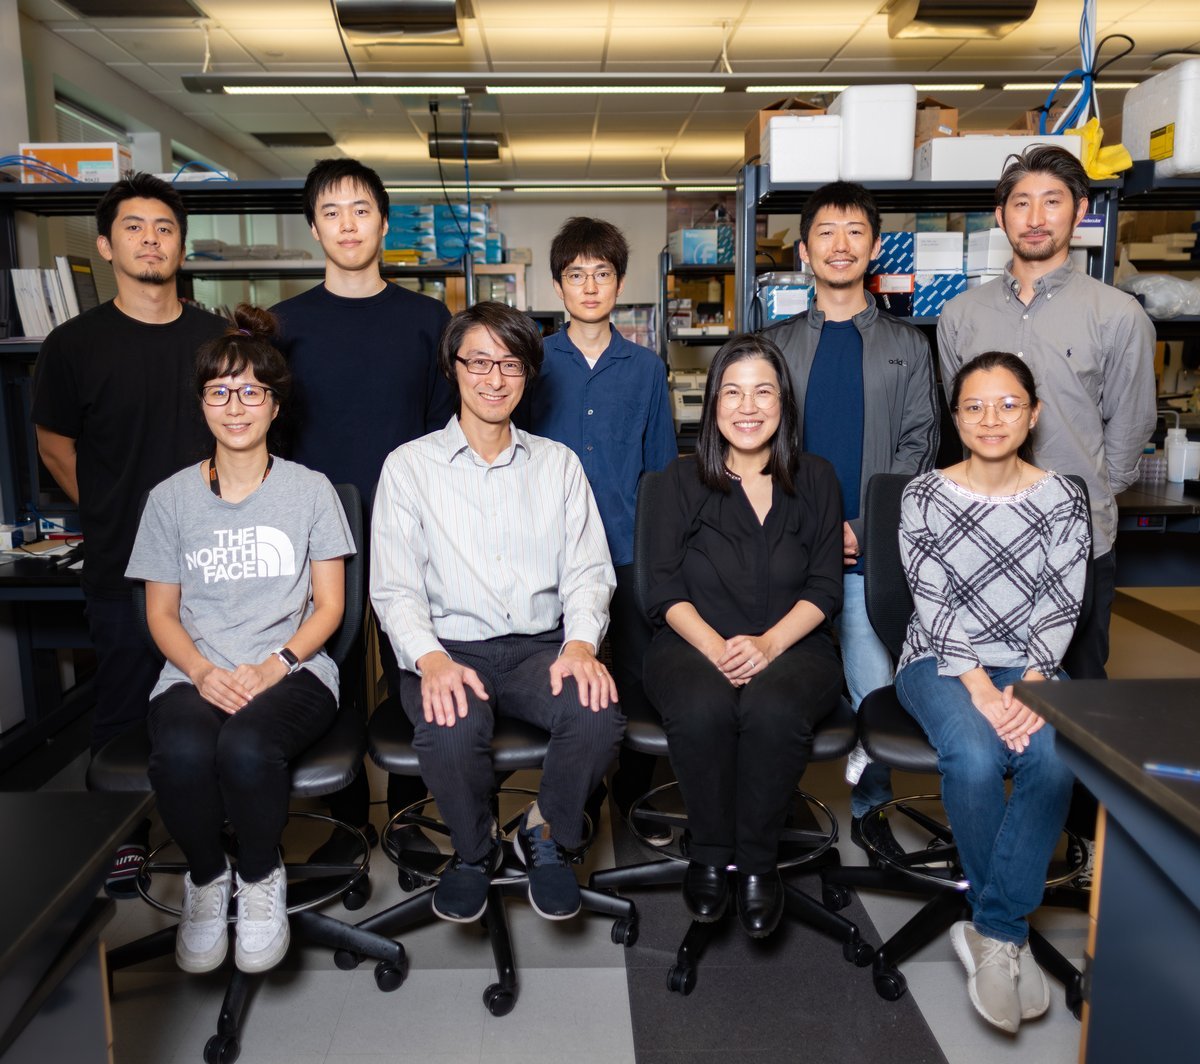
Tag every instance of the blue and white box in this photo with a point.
(896, 253)
(932, 291)
(783, 295)
(701, 247)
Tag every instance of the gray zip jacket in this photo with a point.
(901, 420)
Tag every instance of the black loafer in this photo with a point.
(760, 902)
(705, 891)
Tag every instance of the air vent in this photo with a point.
(399, 21)
(295, 140)
(957, 19)
(481, 147)
(134, 8)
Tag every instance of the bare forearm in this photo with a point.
(685, 621)
(802, 619)
(58, 454)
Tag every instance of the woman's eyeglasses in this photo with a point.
(248, 394)
(1008, 409)
(765, 398)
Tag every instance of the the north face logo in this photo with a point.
(244, 554)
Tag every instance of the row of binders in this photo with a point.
(47, 298)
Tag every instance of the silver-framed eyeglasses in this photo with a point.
(1008, 409)
(603, 277)
(509, 367)
(248, 394)
(765, 396)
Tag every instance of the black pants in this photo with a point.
(456, 762)
(127, 667)
(208, 766)
(1085, 660)
(738, 752)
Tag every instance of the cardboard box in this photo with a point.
(934, 119)
(1089, 233)
(789, 105)
(896, 254)
(932, 291)
(988, 251)
(701, 247)
(523, 255)
(939, 253)
(99, 163)
(802, 147)
(978, 158)
(1031, 120)
(890, 283)
(783, 295)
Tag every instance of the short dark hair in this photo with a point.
(139, 186)
(1044, 159)
(513, 328)
(711, 446)
(326, 173)
(248, 344)
(588, 238)
(841, 196)
(987, 362)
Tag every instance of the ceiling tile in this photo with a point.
(632, 43)
(95, 44)
(145, 77)
(533, 44)
(177, 45)
(787, 42)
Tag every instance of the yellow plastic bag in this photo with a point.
(1101, 163)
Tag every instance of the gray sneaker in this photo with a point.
(262, 922)
(1032, 988)
(992, 970)
(202, 938)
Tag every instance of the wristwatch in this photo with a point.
(288, 658)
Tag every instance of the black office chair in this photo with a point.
(800, 846)
(894, 738)
(515, 746)
(324, 768)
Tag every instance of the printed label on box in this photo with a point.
(1162, 142)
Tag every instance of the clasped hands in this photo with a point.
(230, 690)
(444, 682)
(741, 657)
(1013, 721)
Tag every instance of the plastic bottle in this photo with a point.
(1176, 442)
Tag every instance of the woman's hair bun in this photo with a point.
(255, 322)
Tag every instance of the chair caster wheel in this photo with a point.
(389, 977)
(346, 959)
(624, 932)
(834, 897)
(409, 881)
(1075, 999)
(357, 893)
(859, 953)
(498, 1000)
(890, 984)
(221, 1049)
(681, 980)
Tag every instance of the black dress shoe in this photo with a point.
(875, 831)
(705, 891)
(760, 902)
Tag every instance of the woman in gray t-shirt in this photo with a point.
(243, 562)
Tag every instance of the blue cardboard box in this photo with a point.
(897, 253)
(931, 292)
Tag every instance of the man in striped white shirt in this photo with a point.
(491, 576)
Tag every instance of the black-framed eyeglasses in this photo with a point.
(509, 367)
(1008, 409)
(248, 394)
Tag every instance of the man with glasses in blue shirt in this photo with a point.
(606, 398)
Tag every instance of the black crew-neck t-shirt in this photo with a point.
(122, 389)
(365, 378)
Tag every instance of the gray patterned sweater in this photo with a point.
(997, 581)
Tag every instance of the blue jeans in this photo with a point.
(1005, 845)
(868, 666)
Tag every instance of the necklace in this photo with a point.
(214, 481)
(1020, 473)
(732, 475)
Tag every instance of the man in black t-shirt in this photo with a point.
(363, 354)
(116, 413)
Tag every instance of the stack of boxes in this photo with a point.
(410, 237)
(419, 233)
(917, 273)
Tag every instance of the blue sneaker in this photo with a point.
(553, 888)
(462, 892)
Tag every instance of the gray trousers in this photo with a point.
(456, 762)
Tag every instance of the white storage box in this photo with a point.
(878, 126)
(939, 253)
(1161, 120)
(979, 158)
(802, 147)
(988, 250)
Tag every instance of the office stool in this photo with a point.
(515, 746)
(800, 847)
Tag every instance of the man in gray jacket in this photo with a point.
(868, 403)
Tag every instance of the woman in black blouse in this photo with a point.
(745, 575)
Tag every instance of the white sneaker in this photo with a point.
(991, 975)
(1032, 989)
(202, 939)
(262, 922)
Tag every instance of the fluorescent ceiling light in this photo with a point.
(796, 88)
(1069, 86)
(599, 90)
(703, 188)
(952, 86)
(343, 90)
(425, 190)
(588, 188)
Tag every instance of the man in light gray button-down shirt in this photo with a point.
(490, 574)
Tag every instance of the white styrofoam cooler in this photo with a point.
(802, 147)
(879, 123)
(1161, 120)
(979, 158)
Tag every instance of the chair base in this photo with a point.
(933, 873)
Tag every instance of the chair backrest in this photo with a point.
(888, 599)
(650, 502)
(342, 640)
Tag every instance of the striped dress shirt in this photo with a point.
(464, 550)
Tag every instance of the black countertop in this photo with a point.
(1124, 723)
